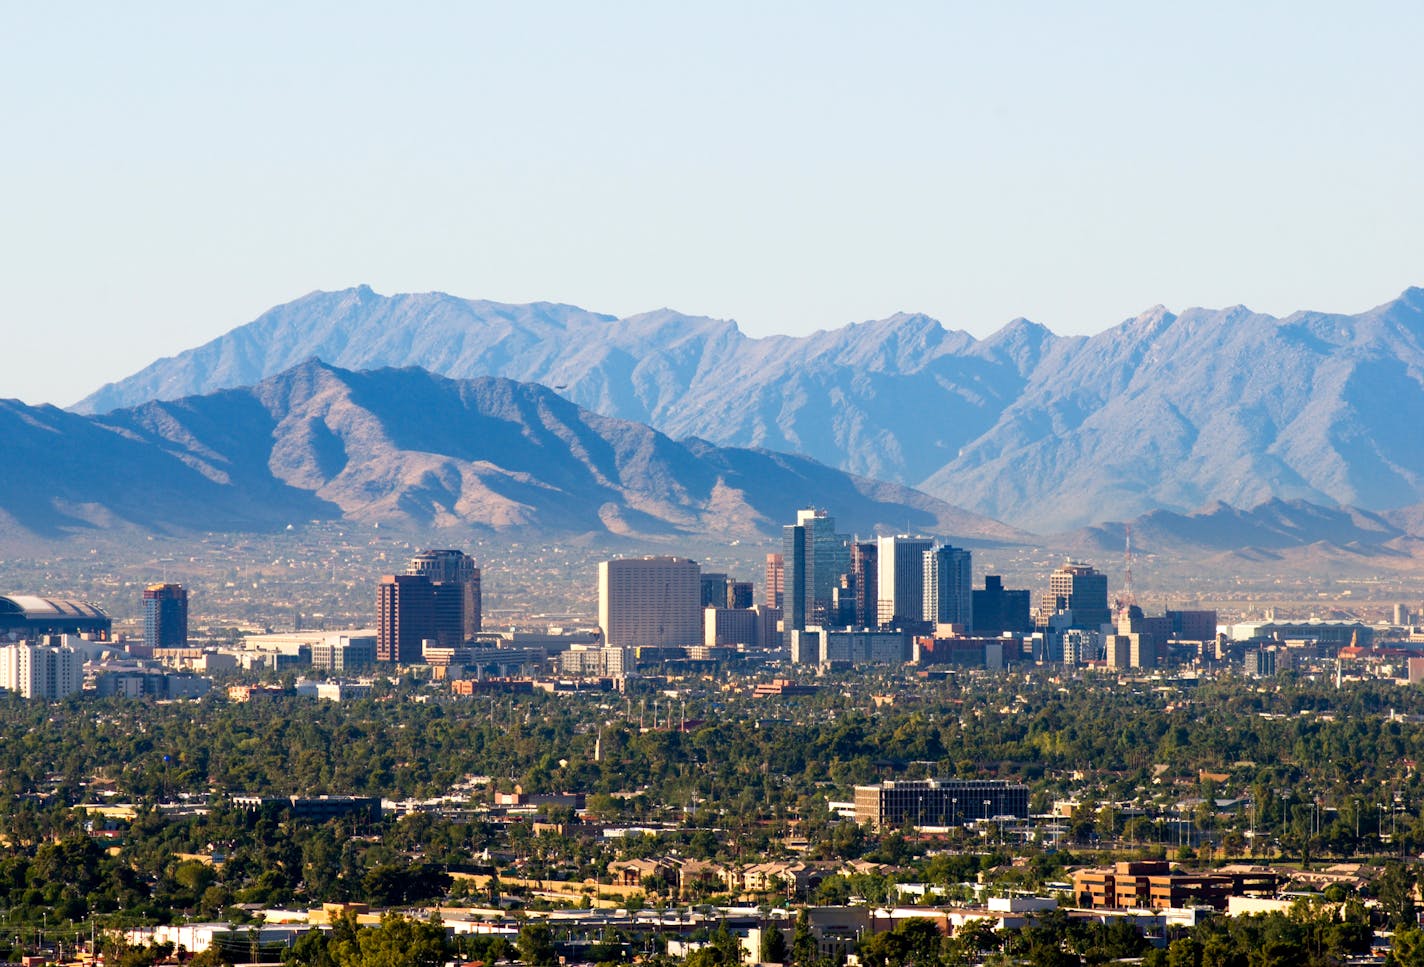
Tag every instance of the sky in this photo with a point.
(172, 170)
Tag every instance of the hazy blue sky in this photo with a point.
(172, 170)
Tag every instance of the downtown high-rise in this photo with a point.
(949, 586)
(814, 559)
(901, 580)
(437, 600)
(455, 590)
(653, 601)
(165, 616)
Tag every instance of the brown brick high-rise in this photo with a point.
(405, 616)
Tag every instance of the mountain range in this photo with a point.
(1163, 412)
(407, 447)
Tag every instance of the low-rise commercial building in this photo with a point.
(1156, 885)
(938, 802)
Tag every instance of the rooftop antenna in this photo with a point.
(1126, 599)
(1129, 599)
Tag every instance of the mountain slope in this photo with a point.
(1275, 525)
(68, 471)
(1179, 412)
(838, 396)
(410, 448)
(1163, 411)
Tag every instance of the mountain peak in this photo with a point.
(1411, 300)
(1048, 432)
(416, 449)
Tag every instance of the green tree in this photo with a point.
(803, 941)
(397, 942)
(1395, 891)
(915, 941)
(774, 949)
(535, 945)
(1406, 949)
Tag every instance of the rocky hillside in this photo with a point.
(411, 448)
(1164, 411)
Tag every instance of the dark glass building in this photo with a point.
(455, 583)
(998, 609)
(405, 617)
(938, 802)
(165, 616)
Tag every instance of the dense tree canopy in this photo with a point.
(1313, 770)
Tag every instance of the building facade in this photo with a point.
(864, 574)
(455, 591)
(938, 802)
(1155, 885)
(900, 581)
(814, 557)
(41, 671)
(1077, 593)
(345, 653)
(165, 616)
(773, 583)
(861, 646)
(650, 601)
(731, 626)
(949, 586)
(405, 617)
(998, 609)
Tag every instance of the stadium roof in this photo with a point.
(36, 608)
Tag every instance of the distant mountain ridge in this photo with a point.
(1272, 526)
(1286, 536)
(833, 395)
(1162, 412)
(407, 447)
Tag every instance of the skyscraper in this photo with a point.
(715, 593)
(774, 583)
(900, 562)
(1080, 589)
(864, 572)
(998, 609)
(165, 616)
(740, 594)
(793, 577)
(949, 586)
(650, 601)
(455, 583)
(405, 617)
(814, 557)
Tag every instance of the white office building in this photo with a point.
(900, 579)
(41, 671)
(653, 601)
